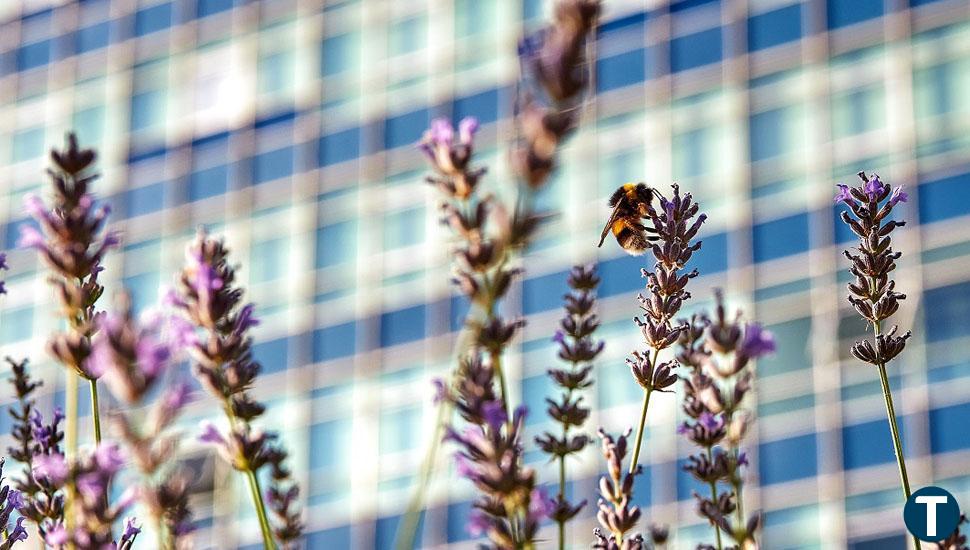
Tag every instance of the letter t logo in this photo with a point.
(931, 502)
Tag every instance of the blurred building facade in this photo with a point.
(289, 126)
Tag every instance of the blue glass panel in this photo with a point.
(620, 275)
(866, 444)
(209, 7)
(793, 352)
(153, 19)
(782, 237)
(458, 515)
(145, 200)
(271, 355)
(684, 5)
(209, 182)
(329, 445)
(766, 132)
(774, 27)
(273, 165)
(404, 228)
(31, 56)
(788, 459)
(334, 342)
(636, 22)
(543, 293)
(12, 233)
(948, 428)
(713, 255)
(405, 129)
(336, 243)
(338, 537)
(398, 429)
(337, 53)
(695, 50)
(457, 311)
(339, 147)
(92, 38)
(916, 3)
(16, 324)
(535, 390)
(531, 9)
(842, 13)
(951, 309)
(621, 70)
(687, 484)
(143, 290)
(944, 198)
(892, 541)
(483, 105)
(387, 532)
(147, 109)
(403, 325)
(842, 232)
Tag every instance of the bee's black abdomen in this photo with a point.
(633, 242)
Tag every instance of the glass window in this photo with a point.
(89, 124)
(713, 255)
(269, 259)
(273, 165)
(782, 237)
(339, 147)
(334, 342)
(143, 290)
(483, 105)
(405, 129)
(153, 19)
(535, 391)
(147, 109)
(474, 17)
(404, 228)
(277, 72)
(398, 429)
(695, 50)
(936, 88)
(793, 351)
(842, 13)
(857, 111)
(771, 133)
(693, 152)
(408, 35)
(330, 445)
(621, 70)
(774, 27)
(31, 56)
(944, 198)
(336, 243)
(951, 309)
(28, 144)
(92, 38)
(892, 541)
(340, 53)
(620, 275)
(208, 182)
(459, 515)
(338, 537)
(788, 459)
(210, 7)
(543, 293)
(145, 200)
(948, 428)
(403, 325)
(271, 355)
(867, 444)
(16, 324)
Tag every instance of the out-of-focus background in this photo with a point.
(289, 126)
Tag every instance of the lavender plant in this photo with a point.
(617, 513)
(873, 293)
(672, 228)
(212, 305)
(10, 500)
(72, 242)
(957, 540)
(719, 355)
(510, 507)
(487, 234)
(134, 356)
(577, 349)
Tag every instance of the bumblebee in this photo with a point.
(629, 204)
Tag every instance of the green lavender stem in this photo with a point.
(643, 422)
(257, 495)
(95, 411)
(894, 428)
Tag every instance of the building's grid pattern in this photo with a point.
(290, 128)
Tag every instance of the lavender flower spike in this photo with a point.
(616, 513)
(873, 292)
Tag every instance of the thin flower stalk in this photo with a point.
(617, 513)
(215, 327)
(957, 540)
(869, 207)
(577, 348)
(134, 356)
(72, 242)
(673, 227)
(719, 355)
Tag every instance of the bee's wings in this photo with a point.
(609, 223)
